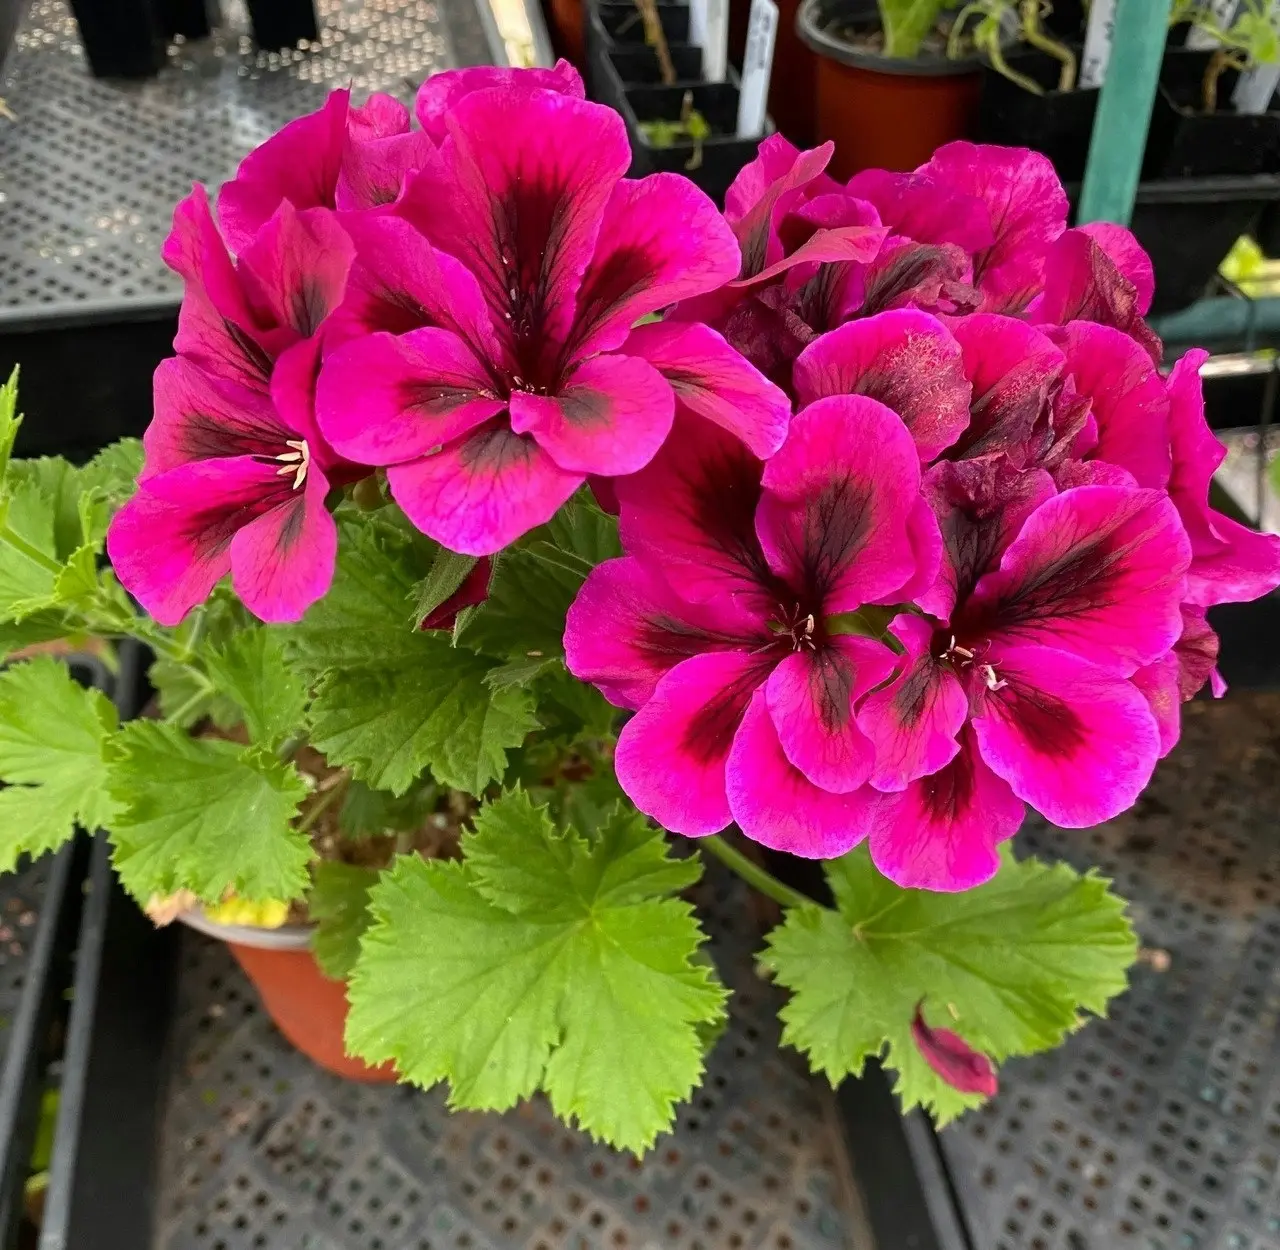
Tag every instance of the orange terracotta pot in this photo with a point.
(307, 1007)
(304, 1004)
(568, 30)
(883, 113)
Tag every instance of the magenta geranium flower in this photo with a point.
(340, 157)
(730, 624)
(1230, 562)
(238, 316)
(235, 482)
(490, 361)
(1016, 690)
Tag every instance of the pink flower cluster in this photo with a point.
(453, 302)
(973, 578)
(916, 531)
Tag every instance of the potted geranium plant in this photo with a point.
(892, 60)
(603, 533)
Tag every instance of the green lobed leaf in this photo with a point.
(339, 905)
(558, 962)
(52, 733)
(10, 421)
(205, 815)
(391, 701)
(1008, 966)
(250, 671)
(186, 698)
(534, 582)
(26, 576)
(366, 811)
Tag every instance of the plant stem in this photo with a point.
(1032, 33)
(319, 807)
(656, 38)
(753, 874)
(176, 717)
(34, 554)
(197, 631)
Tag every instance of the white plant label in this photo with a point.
(1097, 43)
(1255, 88)
(757, 66)
(1222, 13)
(715, 52)
(698, 23)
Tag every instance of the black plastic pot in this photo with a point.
(192, 19)
(1185, 141)
(1187, 226)
(723, 153)
(122, 38)
(10, 12)
(638, 67)
(282, 23)
(615, 25)
(1058, 123)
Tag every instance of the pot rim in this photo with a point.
(809, 29)
(289, 937)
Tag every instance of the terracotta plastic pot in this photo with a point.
(305, 1005)
(568, 30)
(882, 112)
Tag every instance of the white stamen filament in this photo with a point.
(297, 461)
(989, 676)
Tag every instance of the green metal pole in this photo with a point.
(1124, 111)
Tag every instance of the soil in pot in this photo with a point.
(710, 153)
(883, 112)
(1058, 123)
(1188, 140)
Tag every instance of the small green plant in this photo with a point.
(1251, 40)
(692, 127)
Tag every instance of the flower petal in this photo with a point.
(170, 544)
(776, 805)
(609, 416)
(440, 93)
(774, 183)
(375, 172)
(954, 1060)
(217, 327)
(837, 497)
(811, 696)
(1014, 370)
(713, 380)
(690, 515)
(1027, 208)
(481, 491)
(299, 164)
(627, 628)
(1075, 741)
(1158, 682)
(383, 400)
(518, 195)
(980, 506)
(907, 360)
(671, 754)
(1098, 571)
(1082, 283)
(282, 561)
(941, 832)
(198, 417)
(925, 210)
(912, 722)
(661, 241)
(1128, 398)
(1197, 654)
(1128, 256)
(399, 282)
(1230, 562)
(295, 268)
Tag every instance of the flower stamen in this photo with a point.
(295, 462)
(989, 676)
